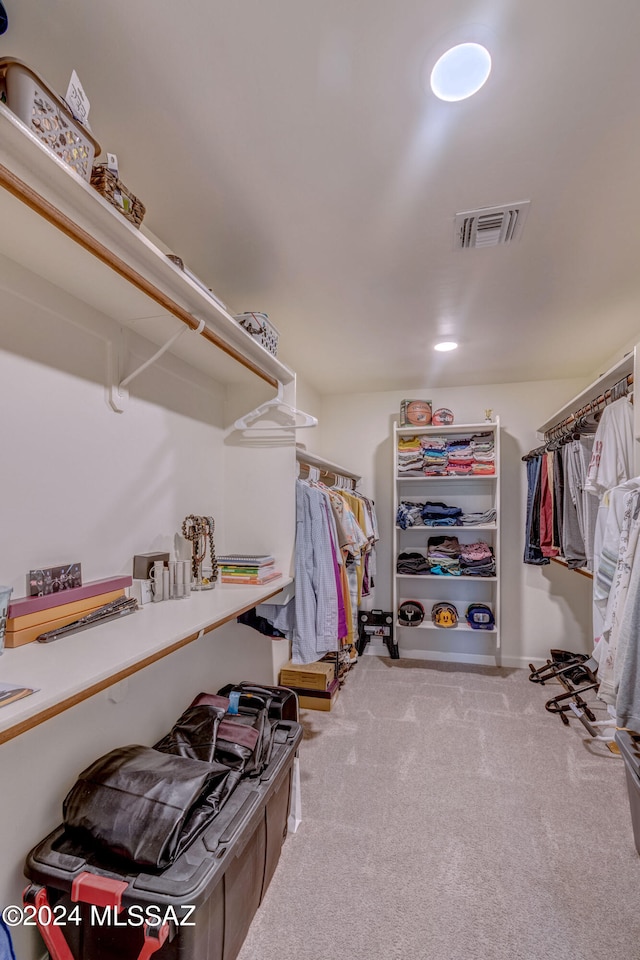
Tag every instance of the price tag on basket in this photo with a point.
(77, 99)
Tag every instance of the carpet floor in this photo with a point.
(446, 815)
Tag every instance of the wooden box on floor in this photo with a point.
(318, 699)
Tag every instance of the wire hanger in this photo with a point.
(284, 416)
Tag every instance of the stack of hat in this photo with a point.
(410, 613)
(443, 556)
(477, 560)
(484, 456)
(479, 616)
(444, 614)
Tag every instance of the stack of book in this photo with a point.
(239, 568)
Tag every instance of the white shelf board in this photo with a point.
(461, 627)
(604, 382)
(313, 460)
(29, 238)
(431, 577)
(466, 478)
(454, 530)
(79, 665)
(485, 427)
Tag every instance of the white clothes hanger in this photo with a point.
(283, 416)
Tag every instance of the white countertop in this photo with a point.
(79, 665)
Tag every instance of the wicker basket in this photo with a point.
(261, 329)
(114, 190)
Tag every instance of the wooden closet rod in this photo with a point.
(592, 406)
(328, 473)
(572, 422)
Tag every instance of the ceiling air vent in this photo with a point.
(490, 226)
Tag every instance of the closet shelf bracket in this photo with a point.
(117, 388)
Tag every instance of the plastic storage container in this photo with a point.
(629, 744)
(47, 116)
(199, 908)
(261, 329)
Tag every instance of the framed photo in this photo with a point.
(54, 579)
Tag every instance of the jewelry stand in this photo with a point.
(199, 530)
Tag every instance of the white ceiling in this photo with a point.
(290, 153)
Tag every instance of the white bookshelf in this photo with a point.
(472, 493)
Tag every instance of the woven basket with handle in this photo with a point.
(114, 190)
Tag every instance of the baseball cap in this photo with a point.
(480, 617)
(444, 614)
(410, 613)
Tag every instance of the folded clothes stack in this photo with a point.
(435, 513)
(409, 514)
(443, 556)
(460, 456)
(438, 514)
(410, 459)
(412, 562)
(434, 452)
(483, 454)
(409, 445)
(477, 560)
(475, 519)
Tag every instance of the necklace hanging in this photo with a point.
(199, 531)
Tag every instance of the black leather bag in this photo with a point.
(281, 702)
(194, 734)
(244, 739)
(143, 804)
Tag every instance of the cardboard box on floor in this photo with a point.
(310, 676)
(308, 702)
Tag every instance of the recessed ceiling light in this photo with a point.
(445, 346)
(461, 71)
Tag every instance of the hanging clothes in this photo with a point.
(330, 548)
(611, 462)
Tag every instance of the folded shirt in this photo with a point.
(409, 514)
(411, 562)
(474, 519)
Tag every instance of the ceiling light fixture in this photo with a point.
(461, 72)
(445, 346)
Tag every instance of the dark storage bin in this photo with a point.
(629, 744)
(223, 875)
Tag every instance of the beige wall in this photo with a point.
(542, 607)
(82, 483)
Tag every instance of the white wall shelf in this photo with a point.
(438, 578)
(447, 479)
(425, 529)
(64, 231)
(605, 381)
(77, 666)
(459, 628)
(474, 493)
(325, 466)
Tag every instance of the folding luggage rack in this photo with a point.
(201, 906)
(577, 674)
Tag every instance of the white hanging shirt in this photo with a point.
(612, 457)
